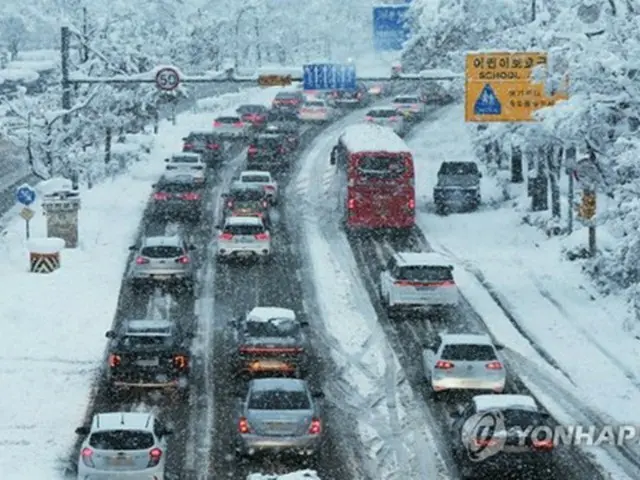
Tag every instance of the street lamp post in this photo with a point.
(237, 34)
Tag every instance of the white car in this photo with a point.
(243, 237)
(461, 361)
(261, 179)
(231, 126)
(411, 106)
(123, 445)
(316, 110)
(417, 280)
(181, 164)
(388, 117)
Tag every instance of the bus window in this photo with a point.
(381, 167)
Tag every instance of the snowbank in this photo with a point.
(18, 75)
(300, 475)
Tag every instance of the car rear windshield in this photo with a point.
(522, 418)
(146, 341)
(426, 274)
(164, 251)
(228, 119)
(470, 353)
(244, 229)
(199, 137)
(185, 159)
(279, 400)
(175, 187)
(406, 100)
(121, 440)
(268, 142)
(381, 166)
(255, 179)
(274, 327)
(383, 113)
(247, 195)
(287, 96)
(458, 168)
(251, 109)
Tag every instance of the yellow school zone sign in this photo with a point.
(499, 87)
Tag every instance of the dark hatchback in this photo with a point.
(207, 144)
(250, 201)
(178, 198)
(148, 354)
(268, 152)
(256, 115)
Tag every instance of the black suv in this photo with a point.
(148, 354)
(458, 187)
(285, 123)
(269, 152)
(177, 197)
(207, 144)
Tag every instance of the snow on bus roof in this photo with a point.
(372, 138)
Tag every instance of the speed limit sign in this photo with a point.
(167, 79)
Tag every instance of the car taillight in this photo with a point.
(155, 454)
(265, 204)
(230, 204)
(269, 188)
(217, 124)
(316, 427)
(160, 196)
(142, 260)
(213, 146)
(238, 124)
(183, 260)
(87, 457)
(262, 236)
(180, 361)
(443, 365)
(546, 444)
(369, 119)
(252, 150)
(114, 360)
(494, 365)
(187, 146)
(412, 203)
(226, 236)
(393, 119)
(243, 426)
(191, 196)
(351, 204)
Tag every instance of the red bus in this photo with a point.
(376, 178)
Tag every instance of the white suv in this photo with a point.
(418, 280)
(127, 444)
(244, 237)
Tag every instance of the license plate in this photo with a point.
(243, 240)
(423, 288)
(150, 362)
(161, 277)
(267, 365)
(122, 460)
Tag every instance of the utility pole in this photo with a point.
(258, 42)
(533, 10)
(516, 164)
(571, 154)
(64, 67)
(84, 48)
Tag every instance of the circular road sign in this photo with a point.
(167, 79)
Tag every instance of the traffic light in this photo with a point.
(588, 206)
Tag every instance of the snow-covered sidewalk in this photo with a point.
(549, 297)
(52, 330)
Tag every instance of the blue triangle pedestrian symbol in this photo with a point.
(487, 102)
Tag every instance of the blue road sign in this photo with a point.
(390, 27)
(25, 195)
(487, 102)
(326, 76)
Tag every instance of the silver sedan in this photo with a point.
(388, 117)
(279, 414)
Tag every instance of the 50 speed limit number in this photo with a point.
(167, 79)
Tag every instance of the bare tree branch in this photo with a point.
(79, 106)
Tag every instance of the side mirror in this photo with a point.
(545, 415)
(110, 334)
(218, 227)
(498, 346)
(317, 394)
(167, 160)
(184, 139)
(82, 431)
(133, 247)
(154, 185)
(192, 247)
(304, 323)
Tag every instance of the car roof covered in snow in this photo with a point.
(372, 138)
(121, 421)
(162, 241)
(275, 383)
(179, 157)
(422, 259)
(148, 327)
(466, 339)
(243, 220)
(485, 403)
(264, 314)
(255, 172)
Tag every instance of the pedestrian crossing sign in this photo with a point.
(487, 102)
